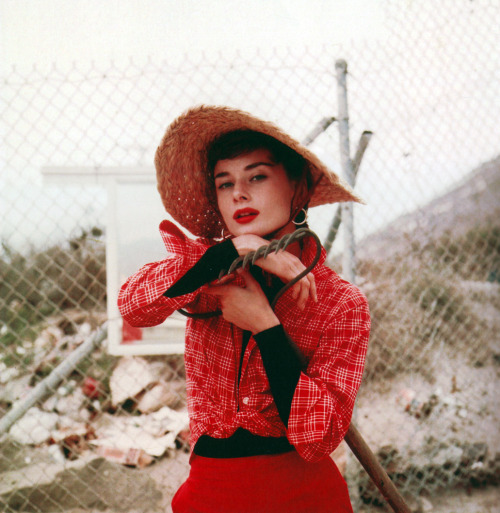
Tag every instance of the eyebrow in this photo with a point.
(251, 166)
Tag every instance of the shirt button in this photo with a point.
(246, 400)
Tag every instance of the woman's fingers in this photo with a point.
(303, 290)
(245, 306)
(287, 266)
(287, 269)
(306, 293)
(314, 291)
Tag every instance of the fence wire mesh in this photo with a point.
(112, 433)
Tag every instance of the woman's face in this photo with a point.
(254, 194)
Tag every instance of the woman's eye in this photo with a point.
(258, 178)
(225, 185)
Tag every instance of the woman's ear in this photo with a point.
(300, 197)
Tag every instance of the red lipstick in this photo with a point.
(245, 215)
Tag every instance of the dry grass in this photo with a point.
(420, 305)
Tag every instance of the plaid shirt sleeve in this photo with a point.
(324, 397)
(140, 300)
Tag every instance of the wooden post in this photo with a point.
(375, 470)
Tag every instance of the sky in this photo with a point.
(62, 31)
(446, 74)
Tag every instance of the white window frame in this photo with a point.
(167, 338)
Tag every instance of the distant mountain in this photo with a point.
(473, 202)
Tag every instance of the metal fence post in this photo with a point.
(334, 225)
(348, 260)
(346, 211)
(49, 385)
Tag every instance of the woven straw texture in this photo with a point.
(184, 184)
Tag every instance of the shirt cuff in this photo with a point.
(215, 259)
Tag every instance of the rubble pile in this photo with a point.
(131, 412)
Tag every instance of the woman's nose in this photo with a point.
(240, 192)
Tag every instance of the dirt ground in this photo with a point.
(103, 487)
(477, 501)
(485, 500)
(172, 472)
(456, 501)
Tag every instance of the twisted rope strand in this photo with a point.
(275, 245)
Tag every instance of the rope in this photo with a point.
(251, 258)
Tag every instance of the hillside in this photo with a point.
(432, 279)
(474, 202)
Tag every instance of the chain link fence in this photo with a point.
(109, 432)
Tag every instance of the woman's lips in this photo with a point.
(245, 215)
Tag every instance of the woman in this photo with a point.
(270, 392)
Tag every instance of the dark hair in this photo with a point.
(241, 142)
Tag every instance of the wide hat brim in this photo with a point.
(184, 183)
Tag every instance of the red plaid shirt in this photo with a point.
(332, 335)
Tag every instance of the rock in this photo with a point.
(134, 457)
(153, 433)
(447, 456)
(161, 394)
(35, 427)
(426, 505)
(418, 504)
(7, 373)
(15, 389)
(48, 338)
(133, 375)
(414, 503)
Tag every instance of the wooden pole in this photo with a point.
(375, 470)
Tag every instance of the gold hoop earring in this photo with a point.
(297, 222)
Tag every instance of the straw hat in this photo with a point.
(184, 184)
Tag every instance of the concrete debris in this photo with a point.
(35, 427)
(153, 433)
(131, 457)
(7, 373)
(83, 415)
(48, 338)
(69, 401)
(57, 454)
(67, 428)
(15, 389)
(127, 439)
(426, 505)
(132, 376)
(161, 394)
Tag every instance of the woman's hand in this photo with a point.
(247, 307)
(283, 264)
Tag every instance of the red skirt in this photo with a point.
(281, 483)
